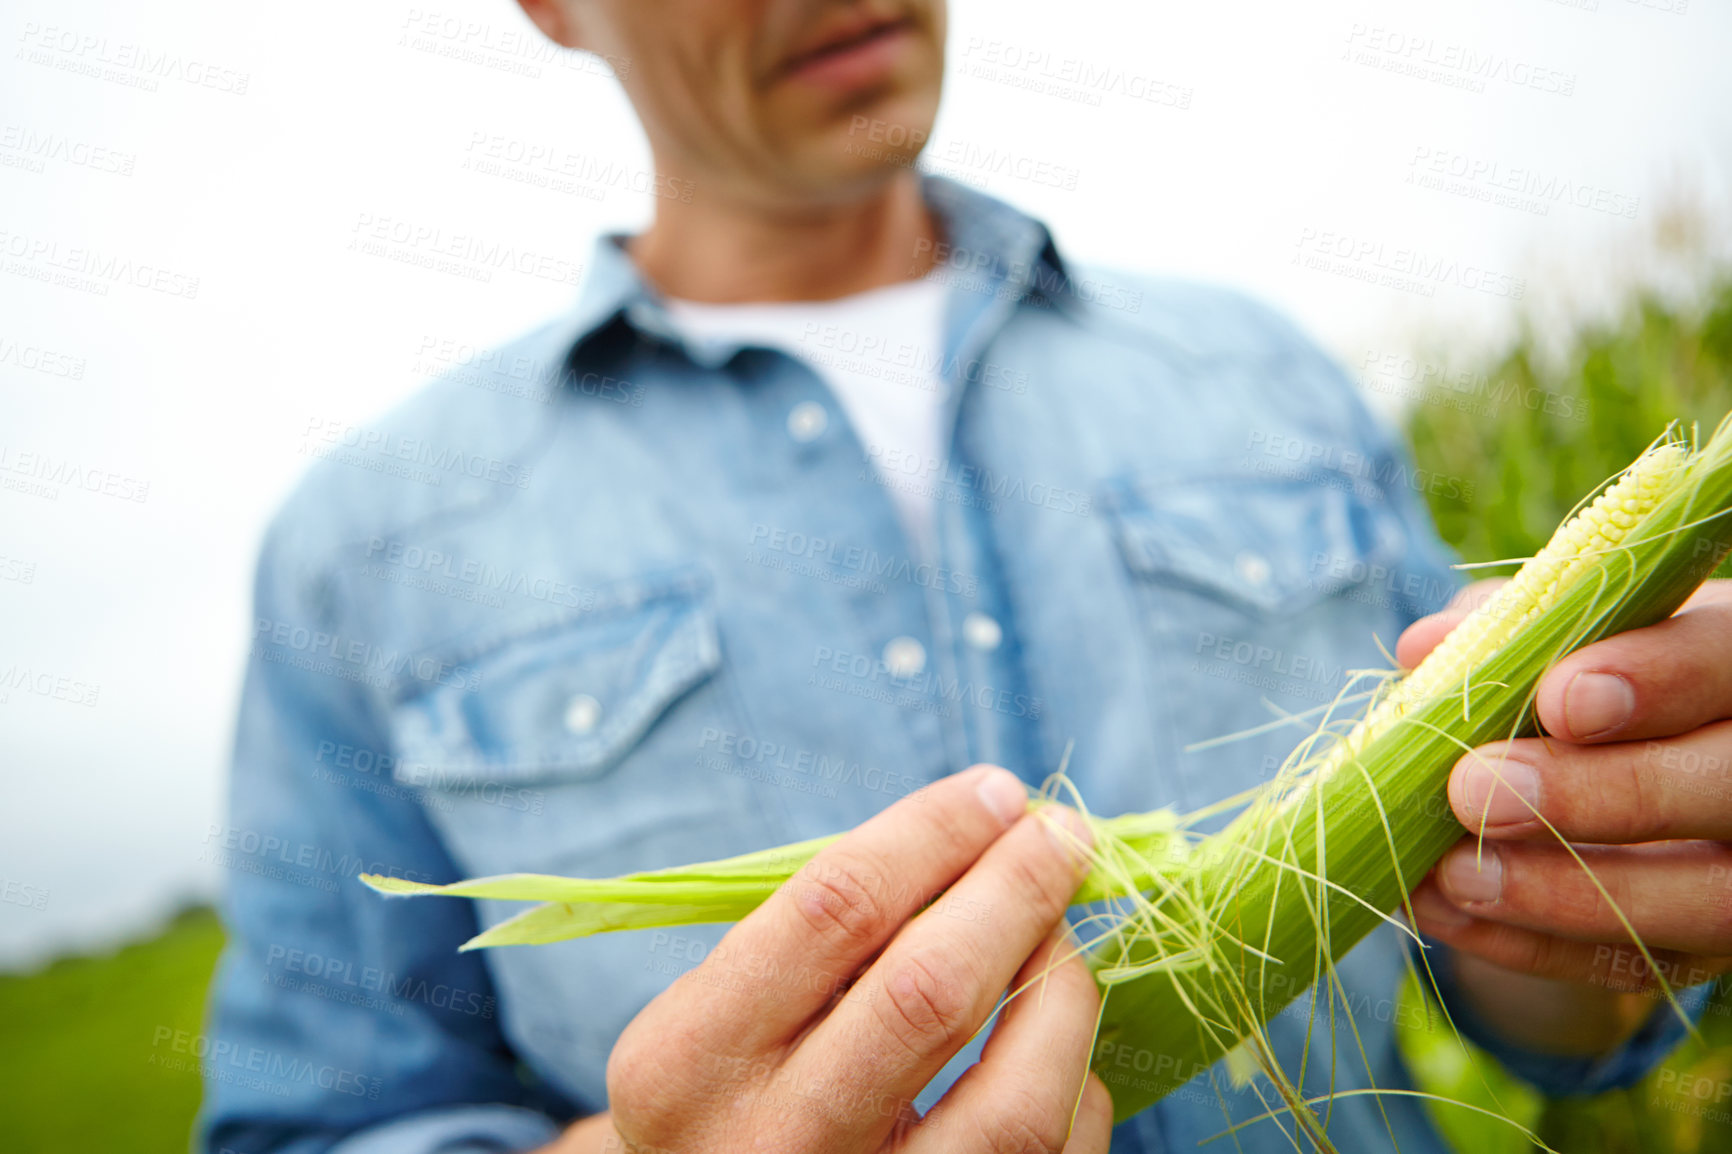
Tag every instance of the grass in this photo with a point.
(87, 1065)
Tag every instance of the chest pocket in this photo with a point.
(1269, 548)
(574, 742)
(1260, 597)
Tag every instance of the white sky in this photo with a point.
(271, 132)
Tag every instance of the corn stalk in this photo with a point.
(1209, 937)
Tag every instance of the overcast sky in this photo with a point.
(1393, 174)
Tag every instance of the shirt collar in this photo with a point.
(998, 251)
(985, 236)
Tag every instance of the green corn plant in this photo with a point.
(1320, 857)
(1204, 938)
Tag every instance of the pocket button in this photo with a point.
(582, 715)
(1253, 567)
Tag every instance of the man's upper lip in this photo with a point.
(838, 34)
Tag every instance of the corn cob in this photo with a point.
(1353, 822)
(1212, 936)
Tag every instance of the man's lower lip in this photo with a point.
(861, 63)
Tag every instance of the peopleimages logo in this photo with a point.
(42, 683)
(225, 840)
(549, 165)
(866, 562)
(463, 253)
(41, 360)
(1401, 267)
(18, 893)
(137, 65)
(1277, 451)
(865, 352)
(992, 160)
(1040, 276)
(378, 773)
(473, 571)
(327, 975)
(93, 269)
(966, 484)
(46, 475)
(35, 148)
(866, 671)
(1452, 64)
(221, 1060)
(274, 640)
(326, 438)
(1513, 186)
(780, 763)
(1038, 69)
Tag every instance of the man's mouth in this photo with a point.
(852, 56)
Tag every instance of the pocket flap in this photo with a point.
(566, 699)
(1271, 546)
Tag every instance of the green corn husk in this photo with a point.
(1212, 936)
(1318, 861)
(728, 890)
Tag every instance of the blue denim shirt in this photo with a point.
(605, 600)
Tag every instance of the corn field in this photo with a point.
(1539, 435)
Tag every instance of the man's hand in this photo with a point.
(1636, 774)
(817, 1020)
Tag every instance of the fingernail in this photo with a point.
(1597, 703)
(1496, 789)
(1004, 795)
(1434, 909)
(1472, 874)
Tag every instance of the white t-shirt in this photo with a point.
(880, 353)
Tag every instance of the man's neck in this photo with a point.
(734, 252)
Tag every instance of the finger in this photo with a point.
(1092, 1130)
(1022, 1093)
(1668, 678)
(939, 980)
(1625, 792)
(1709, 593)
(1619, 967)
(1676, 895)
(1423, 635)
(791, 956)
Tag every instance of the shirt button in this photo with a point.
(981, 631)
(1253, 567)
(582, 714)
(904, 657)
(807, 421)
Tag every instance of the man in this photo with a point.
(725, 581)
